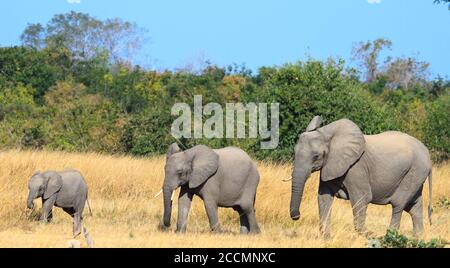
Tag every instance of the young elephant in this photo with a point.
(387, 168)
(221, 178)
(66, 189)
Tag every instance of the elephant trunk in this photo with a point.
(298, 185)
(167, 194)
(31, 197)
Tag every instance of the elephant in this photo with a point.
(224, 177)
(386, 168)
(65, 189)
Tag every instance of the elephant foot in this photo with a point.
(325, 232)
(217, 230)
(365, 233)
(418, 234)
(73, 243)
(254, 231)
(180, 230)
(163, 228)
(243, 230)
(326, 235)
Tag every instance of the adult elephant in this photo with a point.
(221, 178)
(387, 168)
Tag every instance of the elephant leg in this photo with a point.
(212, 213)
(73, 214)
(50, 216)
(359, 208)
(243, 220)
(47, 206)
(184, 204)
(325, 200)
(245, 225)
(396, 217)
(88, 238)
(251, 216)
(415, 210)
(249, 212)
(77, 222)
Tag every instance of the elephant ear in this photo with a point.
(346, 145)
(54, 184)
(173, 149)
(205, 163)
(314, 124)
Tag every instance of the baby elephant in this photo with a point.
(221, 178)
(66, 189)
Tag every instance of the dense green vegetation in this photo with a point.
(59, 96)
(392, 239)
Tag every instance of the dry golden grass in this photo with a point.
(126, 215)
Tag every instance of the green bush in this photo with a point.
(393, 239)
(316, 88)
(437, 128)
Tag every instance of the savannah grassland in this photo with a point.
(125, 214)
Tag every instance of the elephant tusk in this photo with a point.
(156, 195)
(286, 180)
(173, 194)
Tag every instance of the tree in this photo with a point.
(367, 54)
(443, 2)
(86, 37)
(28, 66)
(122, 39)
(405, 72)
(78, 32)
(33, 36)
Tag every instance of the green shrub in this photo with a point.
(304, 90)
(393, 239)
(437, 128)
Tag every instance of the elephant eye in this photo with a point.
(316, 157)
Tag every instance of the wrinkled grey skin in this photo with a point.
(387, 168)
(66, 189)
(221, 178)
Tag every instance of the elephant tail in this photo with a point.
(430, 202)
(89, 206)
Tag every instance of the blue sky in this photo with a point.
(258, 32)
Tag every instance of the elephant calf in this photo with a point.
(221, 178)
(387, 168)
(66, 189)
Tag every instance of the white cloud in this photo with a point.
(368, 1)
(74, 1)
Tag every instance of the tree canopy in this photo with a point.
(86, 37)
